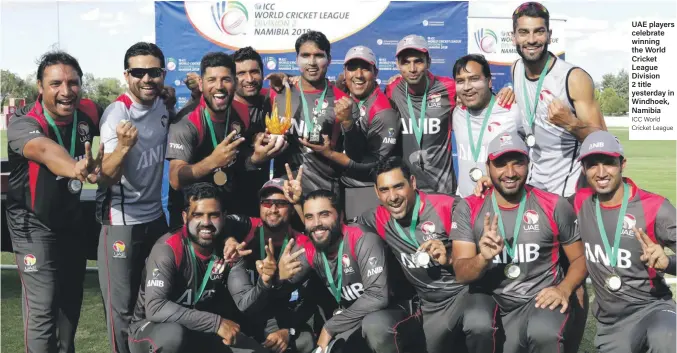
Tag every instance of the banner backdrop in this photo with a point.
(187, 30)
(492, 37)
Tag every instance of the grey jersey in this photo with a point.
(505, 118)
(553, 158)
(137, 198)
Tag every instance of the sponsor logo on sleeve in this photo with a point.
(155, 281)
(119, 250)
(30, 263)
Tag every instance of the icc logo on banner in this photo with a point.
(230, 17)
(486, 40)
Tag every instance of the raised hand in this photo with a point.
(97, 162)
(323, 149)
(560, 115)
(653, 254)
(491, 243)
(505, 96)
(85, 167)
(343, 108)
(127, 134)
(232, 250)
(268, 266)
(292, 187)
(482, 185)
(437, 251)
(226, 151)
(289, 262)
(267, 147)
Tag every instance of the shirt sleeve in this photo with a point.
(113, 114)
(22, 129)
(182, 140)
(238, 226)
(159, 307)
(371, 258)
(247, 296)
(664, 228)
(565, 218)
(460, 223)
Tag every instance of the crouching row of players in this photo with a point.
(501, 286)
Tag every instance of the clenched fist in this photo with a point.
(343, 109)
(127, 134)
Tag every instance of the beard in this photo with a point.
(508, 193)
(209, 101)
(528, 59)
(275, 227)
(194, 231)
(334, 234)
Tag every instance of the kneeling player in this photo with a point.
(513, 250)
(351, 262)
(624, 229)
(183, 300)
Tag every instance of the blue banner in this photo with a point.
(187, 30)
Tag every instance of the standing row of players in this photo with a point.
(220, 138)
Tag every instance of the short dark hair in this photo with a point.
(200, 191)
(217, 59)
(57, 57)
(391, 163)
(531, 9)
(247, 53)
(324, 194)
(314, 36)
(463, 61)
(144, 48)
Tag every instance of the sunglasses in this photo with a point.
(153, 72)
(526, 5)
(278, 203)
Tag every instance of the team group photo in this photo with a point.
(241, 203)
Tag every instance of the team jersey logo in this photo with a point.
(237, 127)
(434, 100)
(629, 222)
(83, 131)
(530, 219)
(372, 261)
(29, 263)
(325, 104)
(119, 250)
(346, 264)
(493, 126)
(156, 273)
(363, 111)
(505, 139)
(428, 227)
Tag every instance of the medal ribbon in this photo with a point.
(310, 123)
(518, 222)
(262, 245)
(417, 126)
(211, 127)
(58, 133)
(335, 286)
(411, 237)
(531, 114)
(475, 147)
(205, 279)
(613, 253)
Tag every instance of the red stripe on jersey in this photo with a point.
(37, 114)
(380, 104)
(175, 241)
(256, 222)
(443, 205)
(651, 203)
(338, 94)
(304, 241)
(124, 98)
(382, 216)
(270, 93)
(336, 129)
(88, 107)
(475, 204)
(392, 86)
(582, 195)
(242, 111)
(548, 202)
(33, 173)
(195, 117)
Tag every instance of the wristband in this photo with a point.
(671, 269)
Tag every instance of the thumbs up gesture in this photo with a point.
(268, 266)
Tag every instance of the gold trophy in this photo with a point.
(277, 126)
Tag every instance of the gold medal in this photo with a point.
(220, 178)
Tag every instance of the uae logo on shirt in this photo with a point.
(29, 263)
(530, 219)
(346, 264)
(428, 227)
(83, 131)
(629, 222)
(493, 126)
(363, 111)
(119, 250)
(434, 100)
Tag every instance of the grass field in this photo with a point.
(651, 164)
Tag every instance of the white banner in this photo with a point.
(492, 37)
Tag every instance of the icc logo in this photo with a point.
(29, 263)
(119, 250)
(486, 40)
(230, 17)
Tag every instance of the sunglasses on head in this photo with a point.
(153, 72)
(526, 5)
(270, 203)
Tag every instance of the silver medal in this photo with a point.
(613, 282)
(475, 174)
(337, 311)
(421, 258)
(530, 140)
(512, 271)
(74, 186)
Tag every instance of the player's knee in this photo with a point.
(661, 329)
(377, 329)
(172, 339)
(479, 316)
(304, 342)
(546, 330)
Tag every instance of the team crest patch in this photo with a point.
(530, 217)
(119, 250)
(346, 260)
(428, 227)
(29, 263)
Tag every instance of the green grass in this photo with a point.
(651, 164)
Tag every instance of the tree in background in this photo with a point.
(103, 91)
(613, 96)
